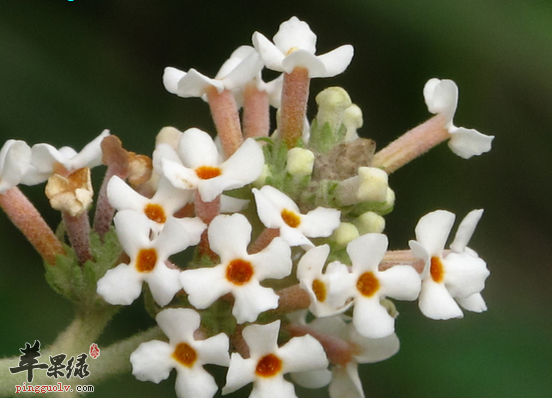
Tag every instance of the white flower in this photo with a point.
(243, 65)
(47, 160)
(202, 167)
(165, 202)
(368, 285)
(153, 361)
(277, 210)
(295, 45)
(15, 158)
(327, 291)
(268, 363)
(238, 273)
(345, 381)
(123, 284)
(441, 97)
(459, 274)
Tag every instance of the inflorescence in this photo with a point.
(289, 270)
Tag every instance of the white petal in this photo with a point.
(320, 222)
(435, 302)
(205, 285)
(336, 61)
(214, 350)
(244, 72)
(294, 237)
(469, 142)
(295, 33)
(274, 261)
(178, 235)
(279, 199)
(261, 339)
(229, 204)
(163, 283)
(400, 282)
(240, 372)
(15, 160)
(371, 319)
(441, 96)
(464, 274)
(178, 324)
(196, 148)
(304, 59)
(302, 354)
(251, 299)
(244, 166)
(164, 151)
(151, 361)
(270, 54)
(123, 197)
(195, 84)
(171, 77)
(366, 252)
(236, 58)
(44, 156)
(346, 382)
(273, 387)
(229, 236)
(374, 350)
(133, 230)
(178, 175)
(170, 198)
(433, 229)
(89, 156)
(120, 285)
(312, 379)
(311, 264)
(194, 382)
(465, 230)
(474, 303)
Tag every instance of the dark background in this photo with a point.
(70, 69)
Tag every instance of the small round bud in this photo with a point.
(352, 120)
(370, 222)
(331, 104)
(168, 135)
(300, 162)
(344, 233)
(373, 185)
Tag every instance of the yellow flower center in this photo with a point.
(437, 270)
(290, 218)
(208, 172)
(146, 260)
(269, 365)
(155, 213)
(368, 284)
(185, 354)
(239, 271)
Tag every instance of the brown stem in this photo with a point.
(78, 232)
(206, 211)
(412, 144)
(256, 112)
(29, 221)
(295, 94)
(226, 117)
(263, 240)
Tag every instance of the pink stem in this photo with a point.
(256, 112)
(295, 94)
(226, 117)
(78, 231)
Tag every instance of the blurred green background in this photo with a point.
(69, 69)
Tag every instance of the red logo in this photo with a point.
(94, 350)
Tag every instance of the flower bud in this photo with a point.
(369, 222)
(344, 233)
(300, 162)
(72, 194)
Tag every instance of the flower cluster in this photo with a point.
(288, 268)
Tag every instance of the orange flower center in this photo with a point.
(185, 354)
(239, 271)
(269, 365)
(319, 289)
(146, 260)
(368, 284)
(290, 218)
(155, 213)
(437, 270)
(208, 172)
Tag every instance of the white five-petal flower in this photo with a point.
(243, 66)
(202, 167)
(238, 273)
(457, 275)
(153, 360)
(268, 363)
(295, 45)
(47, 160)
(441, 97)
(15, 158)
(277, 210)
(328, 291)
(368, 285)
(123, 284)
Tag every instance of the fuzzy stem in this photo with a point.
(29, 221)
(412, 144)
(78, 232)
(401, 257)
(295, 94)
(226, 117)
(263, 240)
(292, 299)
(256, 112)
